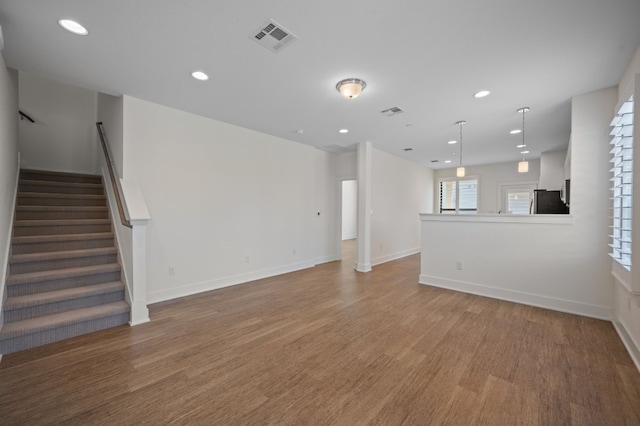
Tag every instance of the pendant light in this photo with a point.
(460, 169)
(523, 166)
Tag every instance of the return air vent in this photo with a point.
(392, 111)
(273, 36)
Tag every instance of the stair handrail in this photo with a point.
(117, 188)
(25, 116)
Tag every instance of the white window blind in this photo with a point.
(622, 183)
(518, 202)
(459, 196)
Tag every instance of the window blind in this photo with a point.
(622, 183)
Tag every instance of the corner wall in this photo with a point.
(400, 191)
(228, 204)
(626, 300)
(63, 137)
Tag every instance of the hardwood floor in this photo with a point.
(328, 345)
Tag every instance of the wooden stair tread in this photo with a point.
(61, 222)
(63, 254)
(48, 322)
(60, 195)
(61, 237)
(31, 208)
(60, 184)
(56, 274)
(64, 174)
(20, 302)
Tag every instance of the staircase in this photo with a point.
(64, 277)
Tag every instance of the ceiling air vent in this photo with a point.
(273, 36)
(392, 111)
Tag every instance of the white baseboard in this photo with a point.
(201, 287)
(632, 347)
(394, 256)
(325, 259)
(555, 304)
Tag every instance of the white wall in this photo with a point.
(8, 163)
(349, 209)
(347, 165)
(326, 219)
(561, 266)
(400, 191)
(552, 170)
(109, 112)
(63, 137)
(490, 177)
(218, 195)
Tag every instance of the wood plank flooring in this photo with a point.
(330, 346)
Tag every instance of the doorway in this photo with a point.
(349, 219)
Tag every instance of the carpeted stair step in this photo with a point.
(44, 199)
(28, 174)
(41, 282)
(44, 186)
(61, 212)
(47, 261)
(20, 335)
(23, 228)
(19, 308)
(48, 243)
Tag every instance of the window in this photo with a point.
(458, 195)
(622, 185)
(517, 198)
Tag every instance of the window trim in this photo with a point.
(457, 209)
(503, 189)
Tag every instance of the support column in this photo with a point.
(363, 260)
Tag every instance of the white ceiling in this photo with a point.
(427, 57)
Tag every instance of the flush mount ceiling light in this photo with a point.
(515, 131)
(350, 88)
(447, 161)
(199, 75)
(481, 94)
(460, 169)
(343, 131)
(452, 142)
(523, 166)
(73, 27)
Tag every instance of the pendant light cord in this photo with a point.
(460, 125)
(524, 111)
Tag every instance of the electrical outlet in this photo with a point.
(172, 271)
(459, 266)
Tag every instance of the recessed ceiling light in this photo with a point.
(343, 131)
(515, 131)
(524, 152)
(300, 131)
(452, 142)
(199, 75)
(447, 161)
(73, 27)
(521, 145)
(481, 94)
